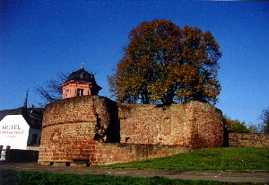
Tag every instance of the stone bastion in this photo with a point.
(94, 130)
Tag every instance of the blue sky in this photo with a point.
(42, 38)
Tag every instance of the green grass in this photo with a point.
(238, 159)
(44, 178)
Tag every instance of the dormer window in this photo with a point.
(82, 76)
(79, 92)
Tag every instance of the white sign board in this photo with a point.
(14, 131)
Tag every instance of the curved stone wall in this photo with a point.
(70, 126)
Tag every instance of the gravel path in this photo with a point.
(225, 176)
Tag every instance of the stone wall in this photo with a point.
(88, 129)
(107, 153)
(248, 140)
(206, 124)
(71, 125)
(191, 125)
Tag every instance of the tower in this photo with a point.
(80, 83)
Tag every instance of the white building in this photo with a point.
(20, 128)
(14, 132)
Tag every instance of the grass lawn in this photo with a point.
(239, 159)
(42, 178)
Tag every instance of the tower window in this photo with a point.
(79, 92)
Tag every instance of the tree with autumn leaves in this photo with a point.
(166, 64)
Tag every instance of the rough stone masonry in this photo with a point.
(94, 130)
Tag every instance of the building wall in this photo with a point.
(95, 130)
(14, 132)
(248, 140)
(70, 89)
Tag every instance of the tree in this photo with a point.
(236, 125)
(265, 121)
(52, 90)
(166, 64)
